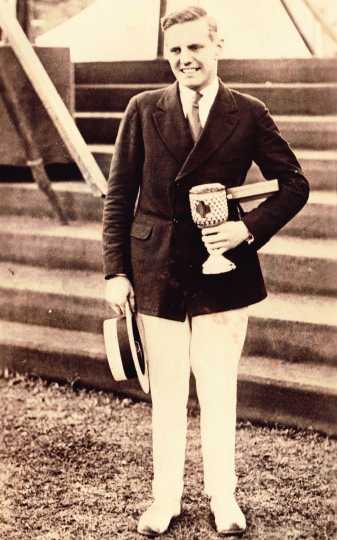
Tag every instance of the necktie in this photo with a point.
(193, 117)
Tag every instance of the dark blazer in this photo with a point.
(158, 246)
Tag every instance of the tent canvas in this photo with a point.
(114, 30)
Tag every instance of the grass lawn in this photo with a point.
(76, 464)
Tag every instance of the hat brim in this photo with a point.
(124, 349)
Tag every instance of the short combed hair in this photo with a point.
(188, 14)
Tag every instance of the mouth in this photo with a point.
(189, 70)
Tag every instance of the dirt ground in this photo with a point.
(76, 464)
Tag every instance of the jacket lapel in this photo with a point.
(172, 125)
(221, 122)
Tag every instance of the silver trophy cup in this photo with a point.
(209, 208)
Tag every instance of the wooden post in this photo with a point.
(24, 15)
(34, 159)
(52, 101)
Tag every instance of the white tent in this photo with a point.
(128, 30)
(109, 30)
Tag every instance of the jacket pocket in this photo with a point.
(142, 231)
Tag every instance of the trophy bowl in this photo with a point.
(209, 208)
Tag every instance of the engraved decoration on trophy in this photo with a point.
(209, 208)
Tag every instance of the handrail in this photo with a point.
(52, 101)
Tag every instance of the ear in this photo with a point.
(219, 47)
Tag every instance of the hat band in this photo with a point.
(125, 350)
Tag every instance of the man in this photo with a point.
(195, 131)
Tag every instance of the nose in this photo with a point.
(185, 57)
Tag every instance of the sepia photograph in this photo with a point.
(168, 269)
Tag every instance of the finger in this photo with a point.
(208, 232)
(212, 230)
(132, 302)
(117, 309)
(218, 234)
(215, 241)
(214, 250)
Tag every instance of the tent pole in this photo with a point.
(162, 11)
(298, 28)
(327, 29)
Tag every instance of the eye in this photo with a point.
(195, 47)
(175, 50)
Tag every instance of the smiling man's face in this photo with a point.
(192, 53)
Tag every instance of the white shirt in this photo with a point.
(208, 96)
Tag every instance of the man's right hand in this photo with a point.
(118, 292)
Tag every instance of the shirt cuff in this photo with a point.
(250, 239)
(110, 276)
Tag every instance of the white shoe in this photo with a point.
(156, 519)
(229, 518)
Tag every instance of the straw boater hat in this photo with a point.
(124, 349)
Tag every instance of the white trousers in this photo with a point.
(210, 345)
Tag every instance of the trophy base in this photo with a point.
(217, 264)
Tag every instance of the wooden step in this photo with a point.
(25, 199)
(307, 132)
(316, 220)
(319, 166)
(45, 243)
(103, 154)
(285, 98)
(288, 393)
(289, 264)
(288, 70)
(296, 327)
(269, 389)
(300, 265)
(98, 127)
(108, 97)
(293, 98)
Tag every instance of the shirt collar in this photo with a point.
(208, 95)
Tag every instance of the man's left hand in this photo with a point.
(224, 237)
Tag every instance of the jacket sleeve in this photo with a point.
(122, 190)
(276, 161)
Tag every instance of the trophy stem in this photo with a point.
(217, 264)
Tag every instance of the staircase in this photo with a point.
(51, 285)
